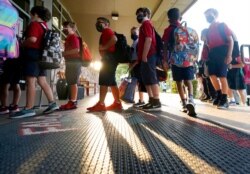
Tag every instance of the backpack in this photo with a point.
(123, 53)
(184, 47)
(85, 53)
(159, 45)
(9, 47)
(236, 49)
(51, 53)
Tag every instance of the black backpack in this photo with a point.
(159, 45)
(123, 53)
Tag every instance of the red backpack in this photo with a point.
(85, 53)
(247, 74)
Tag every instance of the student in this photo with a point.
(180, 74)
(220, 55)
(109, 64)
(72, 62)
(148, 58)
(32, 71)
(135, 66)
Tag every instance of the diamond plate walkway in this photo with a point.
(128, 142)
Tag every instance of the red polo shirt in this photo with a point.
(107, 34)
(72, 42)
(214, 37)
(35, 29)
(146, 30)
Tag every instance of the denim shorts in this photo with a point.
(180, 74)
(216, 64)
(148, 71)
(31, 65)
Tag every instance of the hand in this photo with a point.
(228, 60)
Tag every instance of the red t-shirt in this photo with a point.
(72, 42)
(35, 29)
(107, 34)
(146, 30)
(214, 36)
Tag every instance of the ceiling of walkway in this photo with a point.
(85, 12)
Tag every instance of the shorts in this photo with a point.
(73, 71)
(148, 71)
(107, 72)
(31, 65)
(11, 72)
(216, 64)
(235, 78)
(137, 74)
(180, 74)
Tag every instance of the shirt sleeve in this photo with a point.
(148, 30)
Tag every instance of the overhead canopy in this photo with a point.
(85, 12)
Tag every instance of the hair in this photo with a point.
(134, 28)
(70, 24)
(174, 14)
(212, 10)
(103, 19)
(41, 12)
(144, 10)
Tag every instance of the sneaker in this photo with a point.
(13, 108)
(98, 107)
(137, 105)
(69, 105)
(223, 104)
(191, 109)
(232, 103)
(216, 101)
(24, 113)
(114, 106)
(184, 108)
(51, 108)
(4, 110)
(152, 107)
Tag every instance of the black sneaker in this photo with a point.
(184, 108)
(216, 101)
(152, 107)
(137, 105)
(144, 106)
(191, 109)
(223, 104)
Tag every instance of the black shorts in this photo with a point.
(11, 72)
(235, 78)
(107, 72)
(216, 64)
(31, 65)
(148, 71)
(136, 72)
(180, 74)
(73, 71)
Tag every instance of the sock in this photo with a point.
(156, 101)
(151, 99)
(190, 96)
(184, 101)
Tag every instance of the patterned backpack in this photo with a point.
(52, 54)
(184, 47)
(9, 47)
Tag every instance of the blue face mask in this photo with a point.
(210, 19)
(134, 37)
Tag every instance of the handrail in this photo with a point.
(242, 53)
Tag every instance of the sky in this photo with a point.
(235, 14)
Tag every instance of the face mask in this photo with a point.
(134, 37)
(99, 27)
(140, 18)
(65, 31)
(210, 19)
